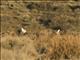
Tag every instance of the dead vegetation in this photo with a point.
(43, 47)
(41, 20)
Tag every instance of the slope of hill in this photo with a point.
(41, 20)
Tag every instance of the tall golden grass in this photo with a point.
(46, 47)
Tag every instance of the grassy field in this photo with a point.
(41, 20)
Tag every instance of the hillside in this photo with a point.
(41, 20)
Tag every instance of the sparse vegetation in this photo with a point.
(41, 21)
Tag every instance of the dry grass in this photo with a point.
(17, 48)
(41, 20)
(45, 47)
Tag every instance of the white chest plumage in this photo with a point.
(23, 30)
(58, 31)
